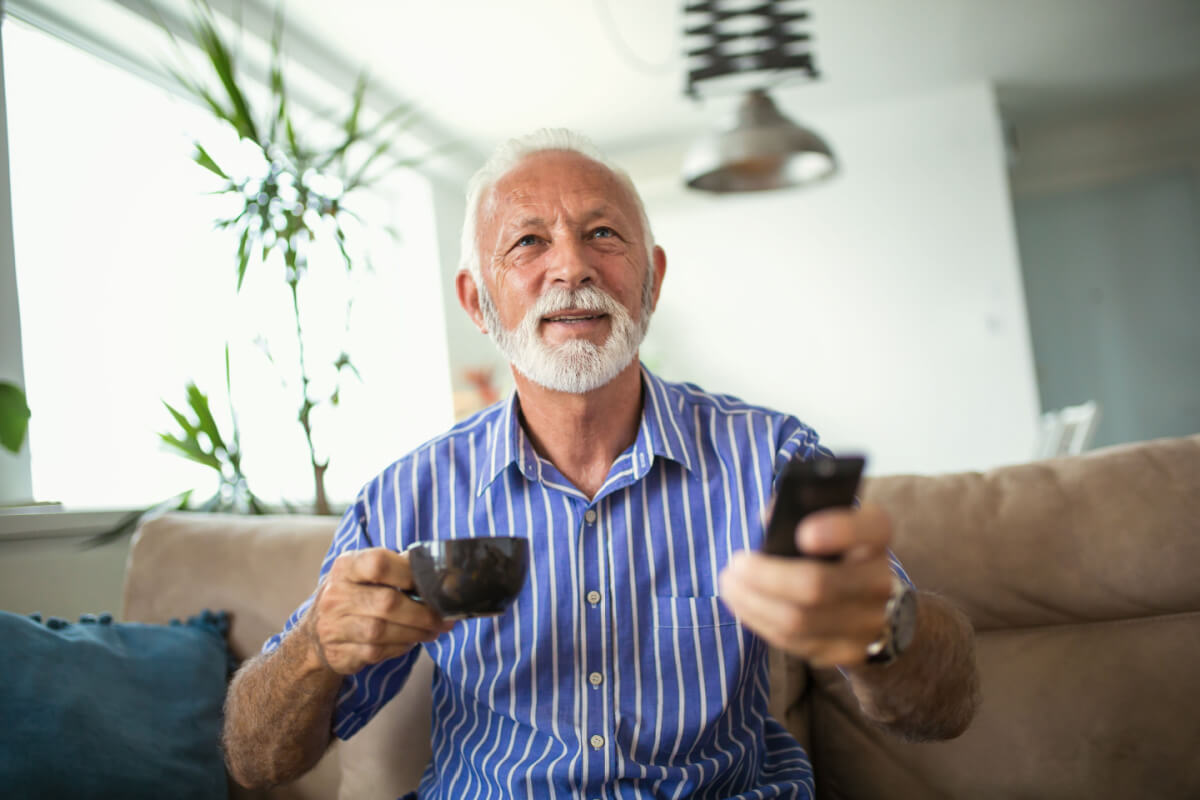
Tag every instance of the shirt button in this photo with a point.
(589, 516)
(595, 679)
(597, 742)
(593, 597)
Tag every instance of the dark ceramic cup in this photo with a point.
(475, 577)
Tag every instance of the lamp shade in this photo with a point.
(763, 150)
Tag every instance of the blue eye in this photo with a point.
(527, 240)
(603, 232)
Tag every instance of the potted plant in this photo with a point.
(291, 197)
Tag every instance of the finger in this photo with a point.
(348, 642)
(811, 583)
(821, 635)
(853, 533)
(377, 565)
(357, 630)
(390, 605)
(349, 658)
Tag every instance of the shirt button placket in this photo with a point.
(589, 519)
(595, 679)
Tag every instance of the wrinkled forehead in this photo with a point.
(556, 178)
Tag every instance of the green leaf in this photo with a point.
(243, 257)
(293, 144)
(360, 175)
(223, 63)
(14, 417)
(205, 160)
(199, 403)
(192, 451)
(350, 126)
(400, 117)
(218, 110)
(188, 428)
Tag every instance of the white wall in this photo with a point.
(884, 308)
(56, 576)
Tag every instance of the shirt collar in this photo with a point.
(665, 430)
(504, 445)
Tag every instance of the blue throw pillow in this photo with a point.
(97, 709)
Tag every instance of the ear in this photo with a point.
(468, 298)
(660, 270)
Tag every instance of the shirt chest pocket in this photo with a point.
(691, 665)
(692, 612)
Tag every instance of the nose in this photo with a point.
(570, 263)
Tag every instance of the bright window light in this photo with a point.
(127, 292)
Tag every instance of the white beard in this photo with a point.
(575, 366)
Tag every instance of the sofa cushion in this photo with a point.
(97, 709)
(1099, 709)
(1079, 575)
(1104, 536)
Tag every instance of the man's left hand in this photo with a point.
(824, 611)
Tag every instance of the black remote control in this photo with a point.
(807, 486)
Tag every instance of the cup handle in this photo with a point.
(412, 594)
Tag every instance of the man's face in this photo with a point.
(567, 289)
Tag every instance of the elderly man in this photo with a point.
(634, 662)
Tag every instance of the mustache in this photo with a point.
(585, 298)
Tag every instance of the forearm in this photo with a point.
(278, 714)
(932, 690)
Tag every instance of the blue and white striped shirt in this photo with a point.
(618, 672)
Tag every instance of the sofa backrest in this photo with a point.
(1082, 577)
(259, 569)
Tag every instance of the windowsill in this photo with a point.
(52, 521)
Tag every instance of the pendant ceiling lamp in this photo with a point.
(762, 149)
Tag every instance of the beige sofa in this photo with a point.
(1082, 576)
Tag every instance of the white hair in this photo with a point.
(508, 156)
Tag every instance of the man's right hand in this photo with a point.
(360, 616)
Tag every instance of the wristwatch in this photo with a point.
(899, 625)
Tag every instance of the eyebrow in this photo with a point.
(525, 222)
(595, 213)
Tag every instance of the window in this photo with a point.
(127, 292)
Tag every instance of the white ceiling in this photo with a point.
(482, 70)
